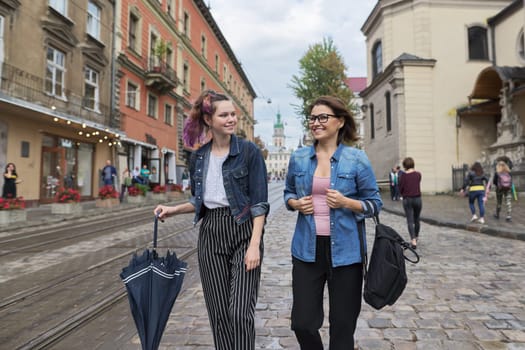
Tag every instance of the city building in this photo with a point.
(168, 52)
(278, 154)
(57, 122)
(423, 58)
(86, 81)
(356, 85)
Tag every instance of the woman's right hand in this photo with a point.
(163, 211)
(305, 205)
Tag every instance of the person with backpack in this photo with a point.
(332, 187)
(503, 183)
(475, 182)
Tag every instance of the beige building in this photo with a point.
(423, 59)
(56, 121)
(491, 124)
(278, 154)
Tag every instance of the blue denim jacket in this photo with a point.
(351, 175)
(245, 180)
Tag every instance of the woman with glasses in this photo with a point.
(333, 188)
(230, 194)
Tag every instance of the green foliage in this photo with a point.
(322, 72)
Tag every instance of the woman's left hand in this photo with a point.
(252, 259)
(335, 199)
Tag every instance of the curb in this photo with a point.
(512, 234)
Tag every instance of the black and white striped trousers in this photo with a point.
(230, 292)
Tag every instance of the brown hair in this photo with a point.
(348, 133)
(408, 163)
(196, 125)
(477, 168)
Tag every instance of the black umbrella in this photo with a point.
(153, 284)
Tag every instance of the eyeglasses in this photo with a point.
(323, 118)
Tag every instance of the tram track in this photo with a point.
(108, 291)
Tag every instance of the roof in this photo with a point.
(356, 84)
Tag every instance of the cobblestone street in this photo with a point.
(466, 293)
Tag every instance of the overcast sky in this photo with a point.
(269, 37)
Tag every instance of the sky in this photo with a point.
(269, 37)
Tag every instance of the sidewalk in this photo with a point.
(453, 211)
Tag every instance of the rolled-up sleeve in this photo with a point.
(289, 189)
(368, 192)
(257, 182)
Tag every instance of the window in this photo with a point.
(170, 8)
(477, 43)
(388, 112)
(152, 106)
(168, 118)
(133, 30)
(54, 83)
(186, 24)
(203, 84)
(224, 71)
(372, 125)
(185, 77)
(521, 46)
(203, 46)
(131, 95)
(93, 20)
(216, 63)
(91, 91)
(377, 59)
(59, 5)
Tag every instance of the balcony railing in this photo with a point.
(20, 84)
(160, 76)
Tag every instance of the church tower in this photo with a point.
(278, 132)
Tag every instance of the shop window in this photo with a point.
(521, 46)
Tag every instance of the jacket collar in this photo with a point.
(235, 147)
(335, 156)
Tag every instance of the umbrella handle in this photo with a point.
(155, 227)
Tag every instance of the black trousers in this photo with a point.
(344, 293)
(412, 207)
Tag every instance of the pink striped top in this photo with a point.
(321, 209)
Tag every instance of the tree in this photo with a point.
(322, 72)
(260, 143)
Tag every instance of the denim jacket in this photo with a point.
(351, 175)
(245, 180)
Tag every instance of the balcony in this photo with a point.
(18, 84)
(160, 76)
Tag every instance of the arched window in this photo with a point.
(388, 112)
(477, 43)
(521, 46)
(372, 124)
(377, 59)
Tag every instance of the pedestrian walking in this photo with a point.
(475, 183)
(229, 192)
(503, 183)
(125, 183)
(410, 189)
(394, 184)
(333, 188)
(10, 181)
(109, 173)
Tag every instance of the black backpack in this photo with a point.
(386, 277)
